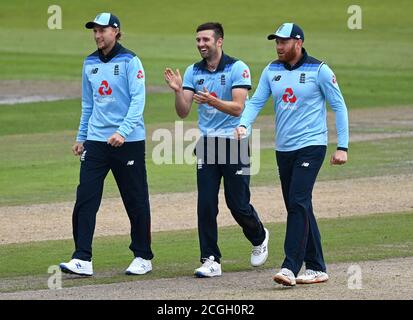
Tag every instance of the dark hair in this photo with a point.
(216, 26)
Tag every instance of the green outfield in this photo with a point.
(39, 168)
(373, 65)
(374, 68)
(353, 239)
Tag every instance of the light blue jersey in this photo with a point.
(113, 96)
(231, 73)
(299, 96)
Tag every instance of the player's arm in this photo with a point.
(183, 96)
(240, 80)
(233, 107)
(332, 93)
(87, 106)
(136, 83)
(254, 105)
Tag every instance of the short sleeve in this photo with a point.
(188, 83)
(241, 76)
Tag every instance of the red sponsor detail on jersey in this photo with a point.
(246, 74)
(334, 80)
(214, 95)
(140, 75)
(105, 89)
(289, 96)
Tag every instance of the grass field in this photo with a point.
(43, 169)
(374, 68)
(162, 34)
(39, 135)
(345, 240)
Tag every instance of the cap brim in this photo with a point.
(272, 36)
(91, 24)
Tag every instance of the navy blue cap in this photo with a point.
(104, 19)
(287, 31)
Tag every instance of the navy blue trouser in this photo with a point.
(298, 172)
(227, 158)
(127, 164)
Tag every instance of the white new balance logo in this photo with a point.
(83, 156)
(130, 162)
(199, 161)
(305, 164)
(238, 172)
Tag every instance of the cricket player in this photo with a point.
(219, 84)
(111, 137)
(300, 85)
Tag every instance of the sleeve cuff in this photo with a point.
(81, 138)
(243, 86)
(189, 88)
(122, 133)
(342, 149)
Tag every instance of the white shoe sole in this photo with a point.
(130, 273)
(285, 281)
(206, 275)
(65, 269)
(313, 281)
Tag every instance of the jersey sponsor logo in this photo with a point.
(223, 79)
(105, 89)
(211, 109)
(214, 95)
(302, 78)
(246, 74)
(140, 75)
(116, 70)
(289, 96)
(334, 80)
(276, 78)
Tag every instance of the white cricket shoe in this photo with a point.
(285, 277)
(139, 266)
(76, 266)
(311, 276)
(259, 253)
(210, 268)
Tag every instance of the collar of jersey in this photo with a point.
(299, 63)
(115, 50)
(221, 65)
